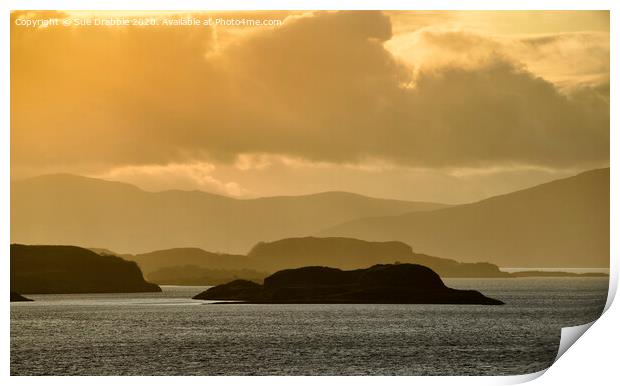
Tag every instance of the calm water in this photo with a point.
(573, 270)
(170, 334)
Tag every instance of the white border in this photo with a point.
(313, 4)
(593, 360)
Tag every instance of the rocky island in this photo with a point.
(15, 297)
(48, 269)
(194, 266)
(383, 283)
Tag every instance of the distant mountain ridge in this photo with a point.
(563, 223)
(74, 210)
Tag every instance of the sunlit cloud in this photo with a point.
(192, 176)
(568, 60)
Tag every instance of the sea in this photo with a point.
(168, 333)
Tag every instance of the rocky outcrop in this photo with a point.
(386, 283)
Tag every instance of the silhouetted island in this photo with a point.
(195, 275)
(383, 283)
(67, 269)
(350, 253)
(15, 297)
(194, 266)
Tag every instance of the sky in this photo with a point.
(445, 106)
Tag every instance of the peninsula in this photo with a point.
(49, 269)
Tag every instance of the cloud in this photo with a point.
(195, 176)
(566, 59)
(322, 87)
(569, 60)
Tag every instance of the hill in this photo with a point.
(74, 210)
(68, 269)
(563, 223)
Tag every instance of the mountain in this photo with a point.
(75, 210)
(387, 283)
(563, 223)
(67, 269)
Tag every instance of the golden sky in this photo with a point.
(438, 106)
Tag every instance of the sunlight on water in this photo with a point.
(170, 334)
